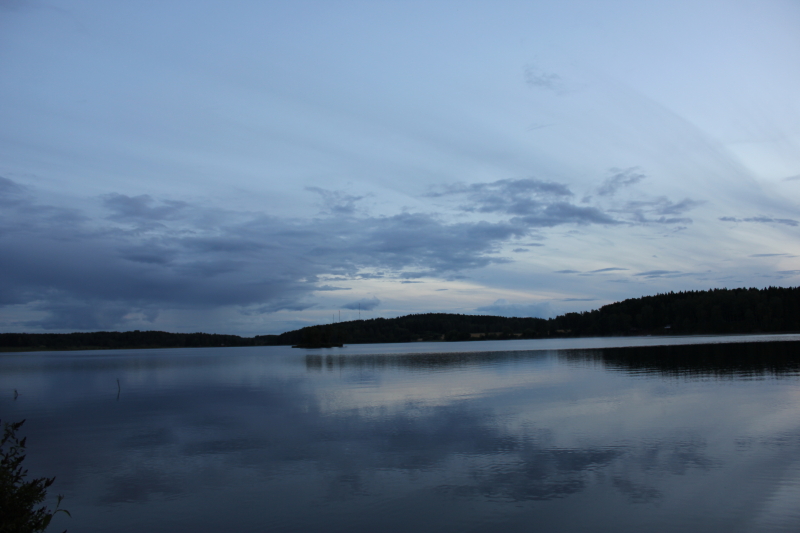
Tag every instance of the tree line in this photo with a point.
(717, 311)
(110, 340)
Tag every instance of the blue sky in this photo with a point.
(253, 167)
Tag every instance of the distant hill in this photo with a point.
(721, 311)
(718, 311)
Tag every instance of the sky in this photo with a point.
(255, 167)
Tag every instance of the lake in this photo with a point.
(610, 434)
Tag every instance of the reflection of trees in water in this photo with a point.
(722, 360)
(427, 361)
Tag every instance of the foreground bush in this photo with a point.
(19, 499)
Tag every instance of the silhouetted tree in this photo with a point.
(20, 499)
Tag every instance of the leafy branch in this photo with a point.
(19, 498)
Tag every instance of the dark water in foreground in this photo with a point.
(489, 436)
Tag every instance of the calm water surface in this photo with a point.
(598, 435)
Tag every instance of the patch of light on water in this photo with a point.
(781, 510)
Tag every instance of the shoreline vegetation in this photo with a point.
(717, 311)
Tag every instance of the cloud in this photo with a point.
(792, 178)
(658, 273)
(763, 220)
(660, 210)
(337, 202)
(663, 206)
(620, 178)
(560, 213)
(502, 308)
(533, 203)
(135, 258)
(84, 315)
(9, 187)
(11, 193)
(141, 208)
(655, 210)
(365, 304)
(530, 202)
(590, 272)
(549, 81)
(152, 255)
(518, 196)
(768, 255)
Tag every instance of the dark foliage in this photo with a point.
(109, 340)
(718, 311)
(424, 327)
(320, 337)
(20, 500)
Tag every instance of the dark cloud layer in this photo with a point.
(141, 208)
(9, 188)
(139, 255)
(142, 255)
